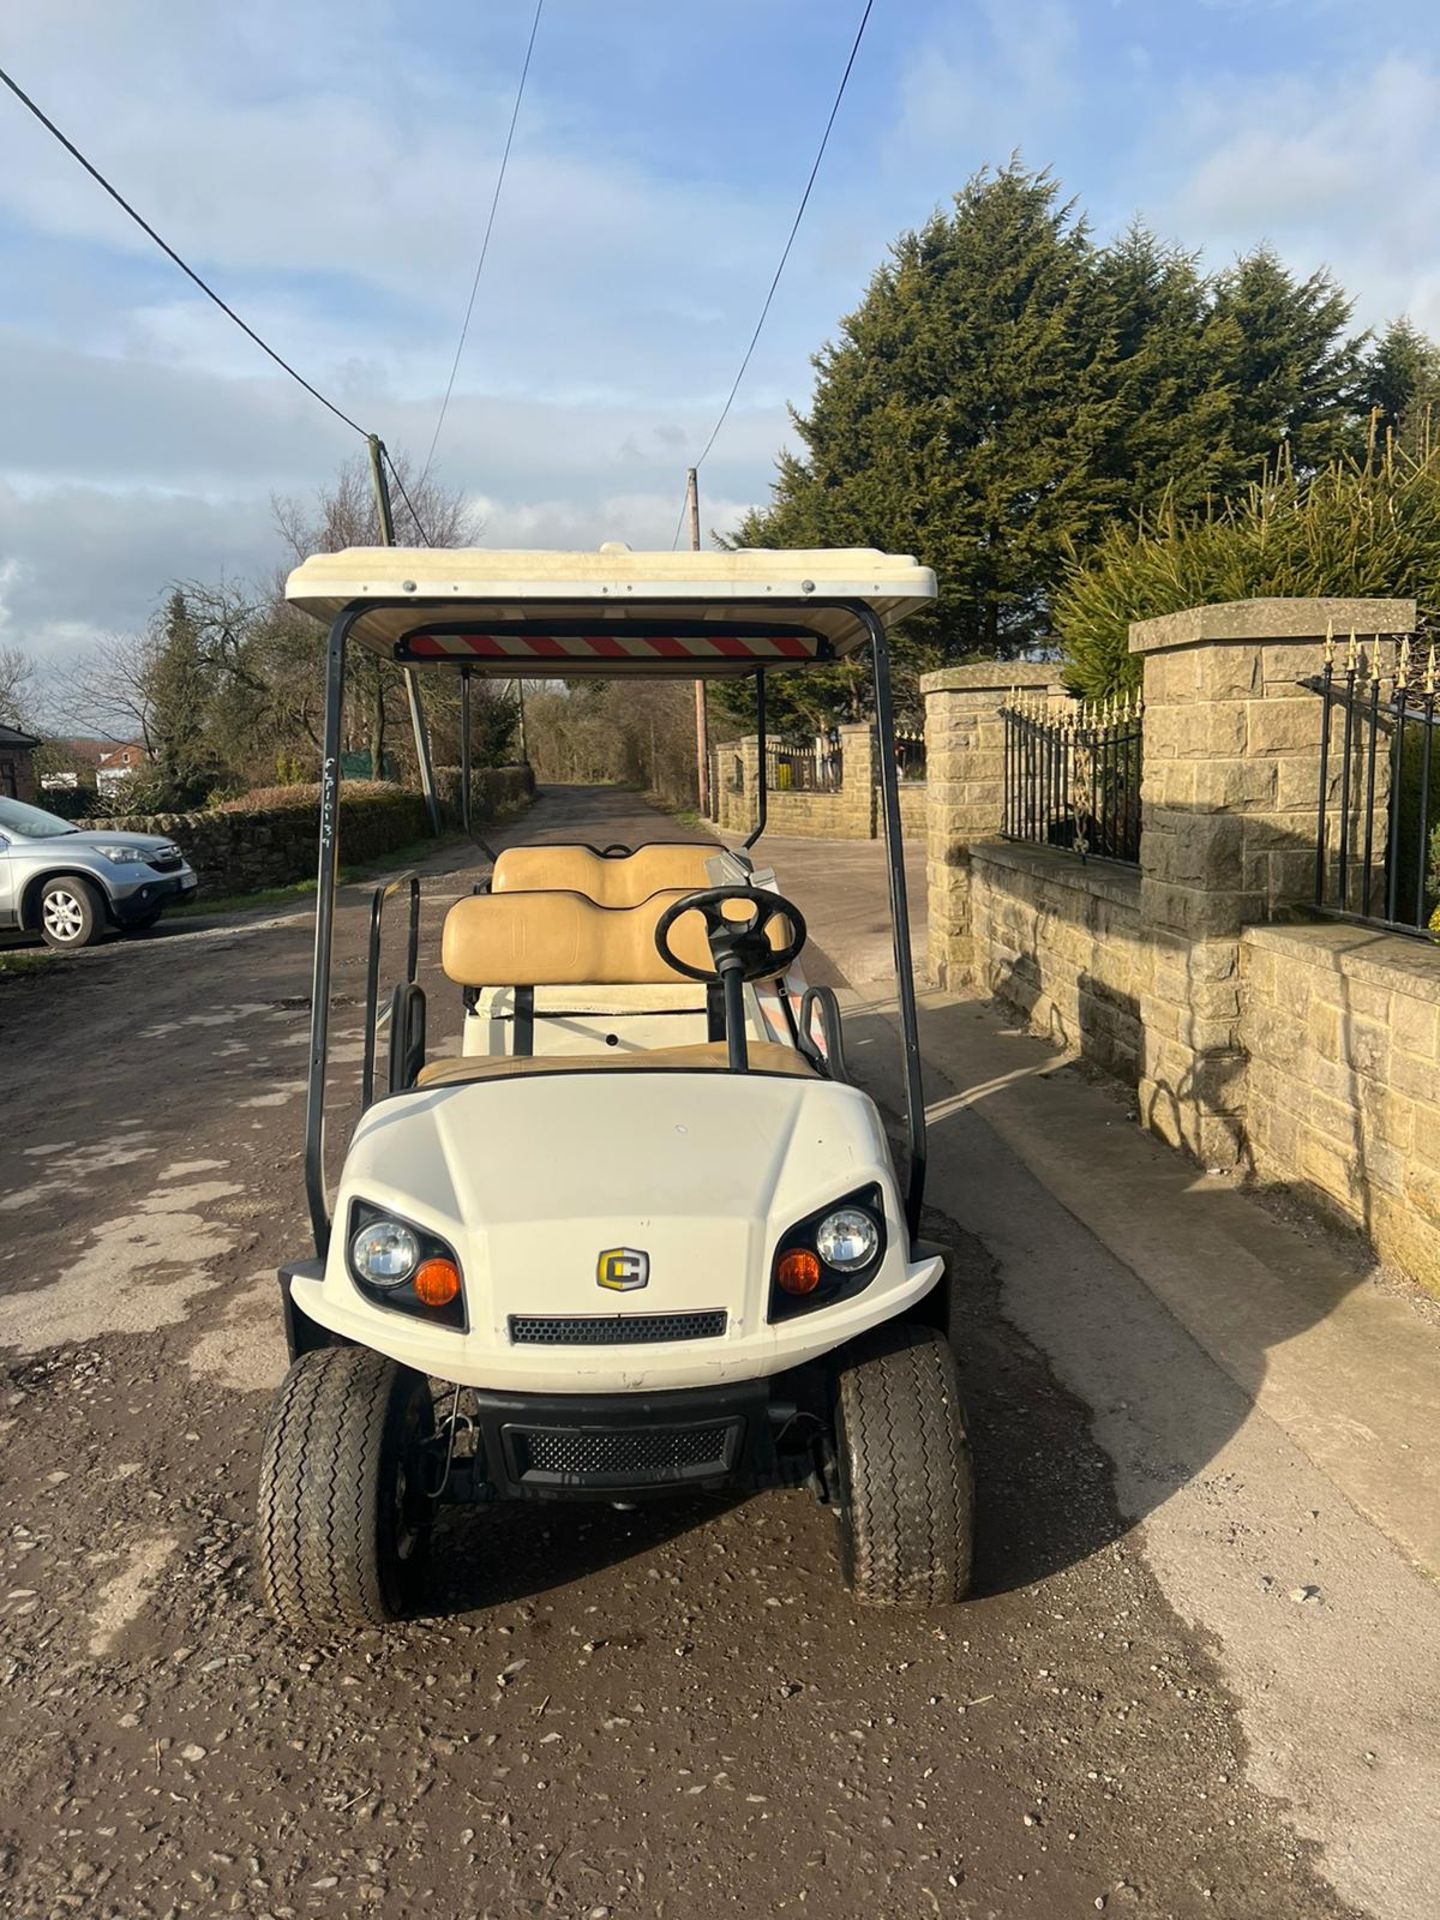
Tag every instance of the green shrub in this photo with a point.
(1364, 528)
(376, 816)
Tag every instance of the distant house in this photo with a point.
(17, 763)
(119, 766)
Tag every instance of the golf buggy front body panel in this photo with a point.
(617, 1232)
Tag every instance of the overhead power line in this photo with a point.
(165, 247)
(395, 476)
(784, 256)
(485, 242)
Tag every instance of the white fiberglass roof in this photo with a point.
(543, 612)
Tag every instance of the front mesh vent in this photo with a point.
(642, 1452)
(614, 1329)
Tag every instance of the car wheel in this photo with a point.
(72, 914)
(344, 1518)
(907, 1485)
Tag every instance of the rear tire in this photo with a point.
(343, 1524)
(907, 1485)
(72, 914)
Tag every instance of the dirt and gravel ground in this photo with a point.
(671, 1712)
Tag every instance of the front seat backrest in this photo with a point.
(622, 881)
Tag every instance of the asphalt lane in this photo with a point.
(673, 1712)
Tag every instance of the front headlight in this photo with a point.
(126, 856)
(385, 1253)
(829, 1256)
(847, 1239)
(404, 1268)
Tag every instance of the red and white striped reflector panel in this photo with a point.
(606, 646)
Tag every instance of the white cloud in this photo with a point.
(1343, 174)
(1007, 71)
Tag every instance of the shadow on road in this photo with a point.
(1045, 1485)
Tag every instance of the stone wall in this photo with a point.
(1060, 942)
(236, 850)
(1341, 1031)
(1300, 1055)
(851, 814)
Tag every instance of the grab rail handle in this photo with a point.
(372, 968)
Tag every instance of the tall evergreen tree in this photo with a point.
(1169, 433)
(180, 695)
(1400, 383)
(958, 414)
(1282, 349)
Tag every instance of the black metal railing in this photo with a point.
(1072, 775)
(813, 765)
(1377, 829)
(910, 757)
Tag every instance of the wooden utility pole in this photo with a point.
(702, 728)
(412, 688)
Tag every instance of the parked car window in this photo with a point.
(33, 822)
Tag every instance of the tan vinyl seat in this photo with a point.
(624, 880)
(565, 940)
(765, 1056)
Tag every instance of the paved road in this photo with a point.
(675, 1712)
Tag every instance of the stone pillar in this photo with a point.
(965, 780)
(745, 805)
(857, 780)
(1230, 794)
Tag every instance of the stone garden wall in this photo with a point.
(243, 848)
(851, 814)
(1297, 1053)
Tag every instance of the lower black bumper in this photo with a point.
(148, 899)
(573, 1446)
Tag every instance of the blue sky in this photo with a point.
(329, 166)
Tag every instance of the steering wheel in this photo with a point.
(737, 946)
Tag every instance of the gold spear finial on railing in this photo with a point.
(1351, 654)
(1430, 672)
(1402, 670)
(1329, 643)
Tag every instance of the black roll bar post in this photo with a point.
(899, 915)
(465, 748)
(325, 930)
(760, 736)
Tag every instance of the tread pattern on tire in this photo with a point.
(908, 1481)
(318, 1523)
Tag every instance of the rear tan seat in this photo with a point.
(622, 881)
(565, 940)
(765, 1056)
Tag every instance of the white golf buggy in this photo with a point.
(641, 1235)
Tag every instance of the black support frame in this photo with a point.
(328, 863)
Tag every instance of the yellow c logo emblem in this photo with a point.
(623, 1269)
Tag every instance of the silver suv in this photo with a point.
(68, 883)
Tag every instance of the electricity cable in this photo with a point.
(410, 504)
(485, 242)
(785, 254)
(166, 248)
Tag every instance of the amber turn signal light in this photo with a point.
(437, 1282)
(798, 1271)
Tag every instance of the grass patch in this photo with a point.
(26, 960)
(411, 855)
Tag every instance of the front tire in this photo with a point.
(907, 1485)
(344, 1522)
(72, 914)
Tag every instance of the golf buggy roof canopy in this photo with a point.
(614, 612)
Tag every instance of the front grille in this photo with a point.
(613, 1329)
(165, 860)
(641, 1453)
